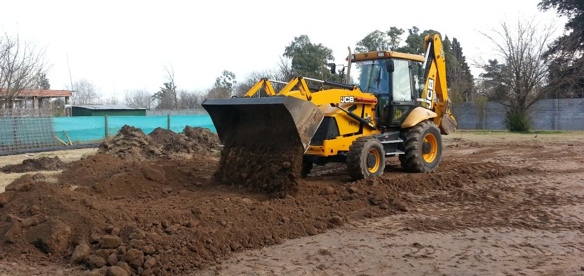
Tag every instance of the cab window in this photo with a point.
(402, 85)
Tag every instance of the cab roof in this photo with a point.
(386, 54)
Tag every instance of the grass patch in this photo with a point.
(491, 132)
(543, 132)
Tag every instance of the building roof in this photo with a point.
(107, 107)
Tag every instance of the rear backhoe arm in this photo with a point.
(435, 93)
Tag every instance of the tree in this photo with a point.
(524, 70)
(189, 100)
(218, 93)
(415, 41)
(20, 62)
(574, 10)
(84, 92)
(380, 41)
(309, 59)
(113, 100)
(166, 96)
(283, 72)
(566, 72)
(226, 81)
(458, 75)
(492, 84)
(170, 78)
(42, 82)
(394, 34)
(565, 77)
(224, 86)
(374, 41)
(138, 98)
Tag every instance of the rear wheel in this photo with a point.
(423, 148)
(366, 158)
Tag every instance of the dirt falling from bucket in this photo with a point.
(272, 168)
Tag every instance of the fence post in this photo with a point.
(168, 121)
(106, 127)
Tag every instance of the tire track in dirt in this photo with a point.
(518, 201)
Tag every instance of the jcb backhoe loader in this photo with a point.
(395, 104)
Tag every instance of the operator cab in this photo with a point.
(395, 78)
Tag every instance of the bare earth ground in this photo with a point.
(499, 204)
(64, 155)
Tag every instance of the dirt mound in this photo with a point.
(111, 177)
(36, 164)
(202, 136)
(132, 144)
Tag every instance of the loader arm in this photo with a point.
(263, 83)
(298, 82)
(435, 94)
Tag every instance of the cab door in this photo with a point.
(406, 85)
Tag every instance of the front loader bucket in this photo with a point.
(263, 140)
(264, 120)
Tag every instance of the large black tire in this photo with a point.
(366, 158)
(422, 147)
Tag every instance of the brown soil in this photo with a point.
(132, 144)
(35, 164)
(270, 169)
(148, 212)
(270, 164)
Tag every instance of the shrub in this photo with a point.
(517, 121)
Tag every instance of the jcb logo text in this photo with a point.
(347, 99)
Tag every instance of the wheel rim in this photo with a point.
(373, 161)
(430, 148)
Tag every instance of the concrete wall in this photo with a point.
(552, 114)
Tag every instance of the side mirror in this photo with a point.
(389, 66)
(333, 68)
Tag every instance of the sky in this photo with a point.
(126, 45)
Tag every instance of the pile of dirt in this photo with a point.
(36, 164)
(132, 144)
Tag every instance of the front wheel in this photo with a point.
(423, 148)
(366, 158)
